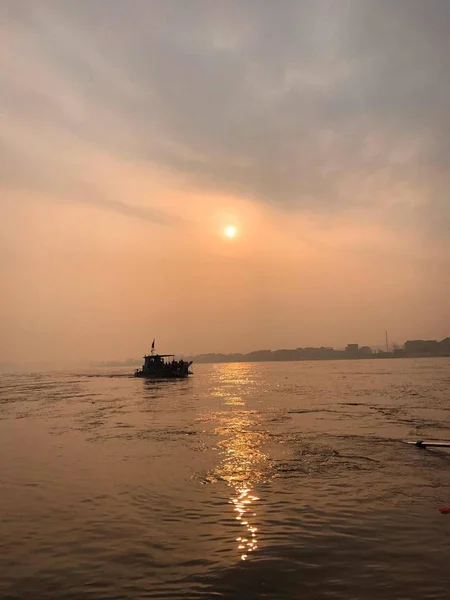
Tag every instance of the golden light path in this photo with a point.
(242, 504)
(244, 464)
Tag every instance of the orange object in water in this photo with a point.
(445, 511)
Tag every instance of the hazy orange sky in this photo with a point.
(132, 133)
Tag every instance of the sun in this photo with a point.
(230, 231)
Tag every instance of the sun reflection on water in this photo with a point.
(242, 505)
(244, 464)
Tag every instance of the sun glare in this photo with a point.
(230, 231)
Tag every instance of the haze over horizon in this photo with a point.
(133, 133)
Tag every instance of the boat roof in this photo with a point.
(161, 355)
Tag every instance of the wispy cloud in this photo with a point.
(313, 105)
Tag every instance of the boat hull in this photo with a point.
(162, 376)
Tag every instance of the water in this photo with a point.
(278, 480)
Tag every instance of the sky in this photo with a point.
(133, 133)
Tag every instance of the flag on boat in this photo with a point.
(153, 345)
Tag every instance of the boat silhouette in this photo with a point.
(160, 366)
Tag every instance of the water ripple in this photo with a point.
(249, 480)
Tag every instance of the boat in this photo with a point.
(430, 444)
(163, 366)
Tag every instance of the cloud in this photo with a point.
(311, 105)
(62, 182)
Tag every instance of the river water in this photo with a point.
(262, 480)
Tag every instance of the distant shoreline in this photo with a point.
(411, 349)
(335, 358)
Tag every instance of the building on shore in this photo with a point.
(422, 348)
